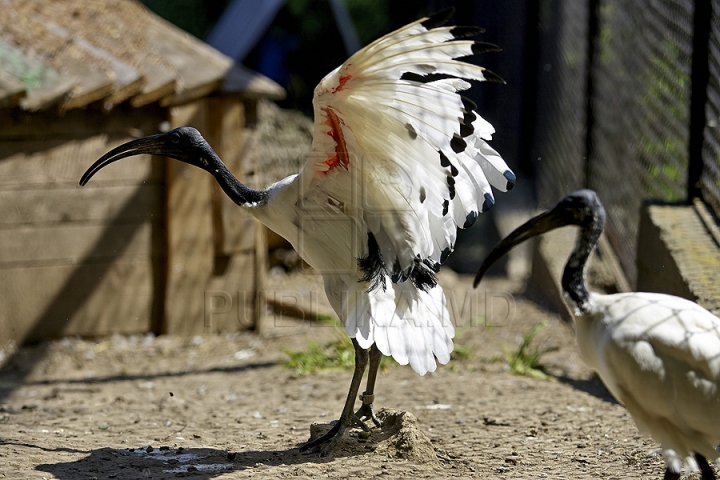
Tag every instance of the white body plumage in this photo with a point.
(659, 355)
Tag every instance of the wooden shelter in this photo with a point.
(146, 246)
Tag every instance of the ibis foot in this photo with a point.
(347, 418)
(366, 411)
(332, 436)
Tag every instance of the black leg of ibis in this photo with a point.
(367, 398)
(347, 418)
(670, 475)
(705, 470)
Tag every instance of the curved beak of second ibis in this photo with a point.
(538, 225)
(152, 145)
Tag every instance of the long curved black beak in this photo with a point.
(159, 144)
(538, 225)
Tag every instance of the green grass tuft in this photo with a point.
(460, 352)
(526, 361)
(338, 354)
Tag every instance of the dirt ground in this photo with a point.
(221, 406)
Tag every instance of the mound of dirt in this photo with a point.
(398, 437)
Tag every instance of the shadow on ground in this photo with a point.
(199, 463)
(399, 437)
(15, 371)
(593, 386)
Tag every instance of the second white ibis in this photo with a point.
(659, 355)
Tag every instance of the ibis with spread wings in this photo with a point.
(399, 161)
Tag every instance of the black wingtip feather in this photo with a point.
(492, 77)
(466, 130)
(444, 161)
(423, 273)
(488, 203)
(438, 19)
(466, 32)
(458, 144)
(445, 254)
(511, 179)
(470, 219)
(415, 77)
(468, 104)
(483, 47)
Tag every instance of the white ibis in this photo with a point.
(659, 355)
(399, 160)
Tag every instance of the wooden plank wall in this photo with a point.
(212, 282)
(78, 261)
(145, 246)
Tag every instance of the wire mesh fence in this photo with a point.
(633, 118)
(710, 179)
(641, 110)
(559, 146)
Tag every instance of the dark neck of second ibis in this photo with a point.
(573, 279)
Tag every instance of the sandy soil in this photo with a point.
(222, 407)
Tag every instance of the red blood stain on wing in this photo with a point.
(341, 157)
(341, 83)
(343, 79)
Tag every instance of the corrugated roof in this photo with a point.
(71, 53)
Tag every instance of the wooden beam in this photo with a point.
(251, 85)
(200, 68)
(41, 205)
(79, 124)
(48, 163)
(68, 244)
(45, 86)
(12, 90)
(161, 83)
(88, 299)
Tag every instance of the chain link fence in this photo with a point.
(560, 122)
(615, 115)
(710, 179)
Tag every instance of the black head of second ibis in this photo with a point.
(581, 208)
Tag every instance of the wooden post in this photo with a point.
(190, 233)
(212, 279)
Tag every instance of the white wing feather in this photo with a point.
(406, 161)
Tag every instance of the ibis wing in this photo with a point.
(661, 357)
(401, 152)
